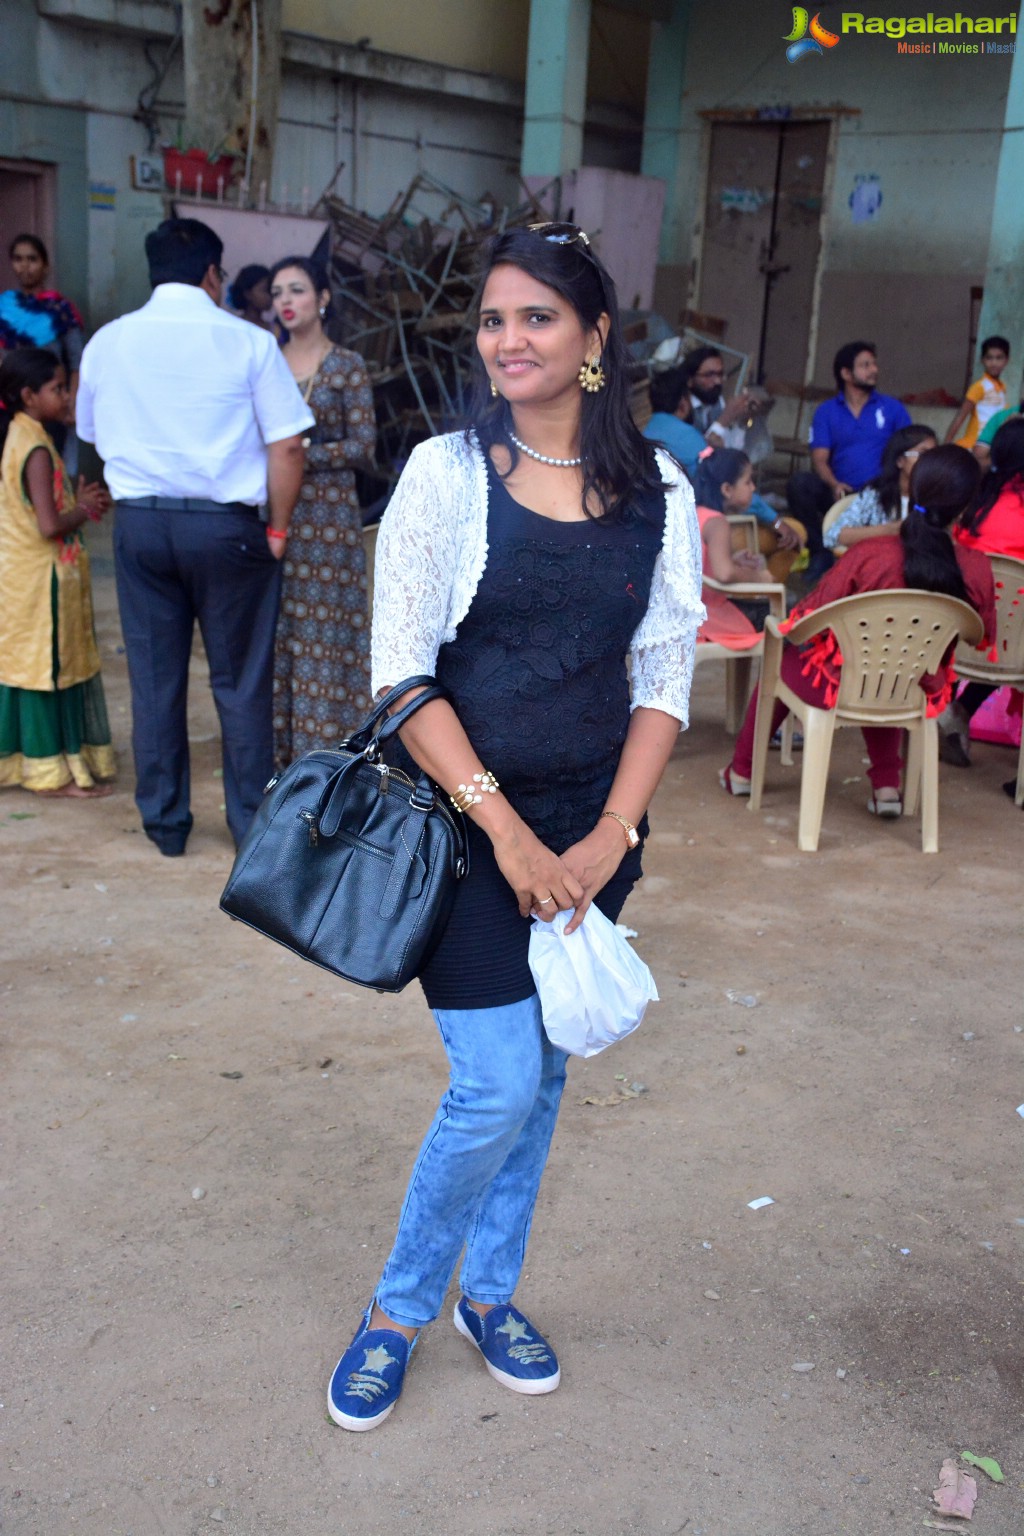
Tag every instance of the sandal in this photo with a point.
(889, 810)
(732, 783)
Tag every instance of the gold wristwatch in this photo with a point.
(632, 835)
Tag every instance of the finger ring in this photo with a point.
(545, 901)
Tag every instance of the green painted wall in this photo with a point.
(57, 136)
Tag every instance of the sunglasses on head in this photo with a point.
(570, 234)
(561, 234)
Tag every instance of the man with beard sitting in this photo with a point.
(847, 437)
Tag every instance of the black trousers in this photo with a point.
(974, 696)
(808, 499)
(173, 568)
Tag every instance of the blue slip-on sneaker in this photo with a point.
(514, 1352)
(367, 1380)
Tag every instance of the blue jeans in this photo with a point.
(476, 1177)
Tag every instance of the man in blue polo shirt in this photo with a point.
(847, 437)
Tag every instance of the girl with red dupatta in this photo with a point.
(921, 556)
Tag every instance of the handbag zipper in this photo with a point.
(387, 772)
(386, 775)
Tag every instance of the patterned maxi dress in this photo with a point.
(322, 658)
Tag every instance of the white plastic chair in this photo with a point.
(888, 641)
(739, 664)
(1008, 668)
(834, 512)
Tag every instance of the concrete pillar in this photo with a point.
(1002, 309)
(556, 87)
(232, 57)
(666, 69)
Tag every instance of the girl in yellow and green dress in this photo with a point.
(54, 735)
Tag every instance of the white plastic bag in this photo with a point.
(593, 986)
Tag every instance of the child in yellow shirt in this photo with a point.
(986, 395)
(54, 734)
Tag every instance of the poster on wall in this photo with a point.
(866, 198)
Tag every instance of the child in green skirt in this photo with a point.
(54, 735)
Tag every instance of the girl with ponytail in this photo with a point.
(995, 525)
(922, 557)
(54, 736)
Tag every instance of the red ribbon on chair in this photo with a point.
(822, 663)
(945, 686)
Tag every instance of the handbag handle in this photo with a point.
(393, 724)
(361, 737)
(329, 811)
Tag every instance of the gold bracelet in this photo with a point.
(468, 795)
(464, 799)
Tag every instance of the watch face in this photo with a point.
(633, 837)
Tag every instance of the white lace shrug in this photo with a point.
(432, 550)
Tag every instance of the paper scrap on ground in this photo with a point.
(763, 1200)
(987, 1464)
(956, 1493)
(620, 1096)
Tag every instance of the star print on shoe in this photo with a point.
(367, 1380)
(514, 1352)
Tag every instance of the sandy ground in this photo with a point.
(165, 1357)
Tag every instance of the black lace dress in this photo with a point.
(538, 674)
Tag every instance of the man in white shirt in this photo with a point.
(198, 421)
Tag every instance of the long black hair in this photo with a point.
(1007, 465)
(942, 484)
(618, 461)
(22, 368)
(723, 466)
(886, 484)
(246, 280)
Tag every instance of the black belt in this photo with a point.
(184, 504)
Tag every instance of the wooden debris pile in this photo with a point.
(404, 287)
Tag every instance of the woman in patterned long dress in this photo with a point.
(322, 660)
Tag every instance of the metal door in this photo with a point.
(762, 238)
(26, 203)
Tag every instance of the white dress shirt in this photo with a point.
(181, 399)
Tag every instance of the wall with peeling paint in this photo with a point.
(929, 128)
(439, 87)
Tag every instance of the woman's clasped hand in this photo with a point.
(546, 883)
(543, 883)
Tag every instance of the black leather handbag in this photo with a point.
(349, 862)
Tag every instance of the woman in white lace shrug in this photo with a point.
(432, 551)
(521, 564)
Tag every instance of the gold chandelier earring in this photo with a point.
(591, 375)
(494, 390)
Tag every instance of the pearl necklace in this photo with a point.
(542, 458)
